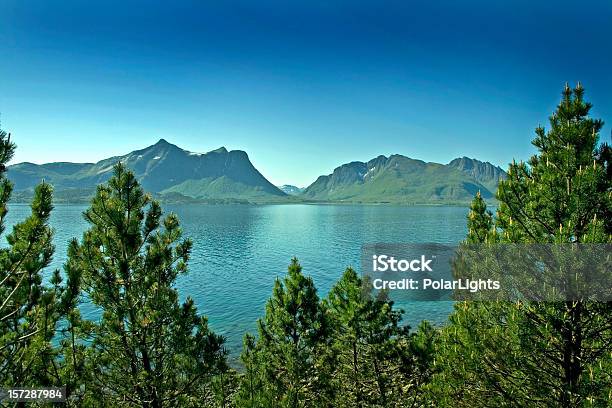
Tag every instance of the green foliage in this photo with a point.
(365, 338)
(250, 392)
(563, 194)
(481, 226)
(148, 349)
(347, 351)
(417, 366)
(29, 309)
(289, 365)
(378, 363)
(530, 353)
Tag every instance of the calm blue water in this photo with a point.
(239, 250)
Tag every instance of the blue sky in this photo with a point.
(301, 86)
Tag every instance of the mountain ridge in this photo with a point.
(222, 175)
(400, 179)
(485, 172)
(160, 168)
(291, 189)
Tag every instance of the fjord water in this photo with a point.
(239, 250)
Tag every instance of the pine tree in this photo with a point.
(540, 353)
(563, 194)
(224, 386)
(250, 392)
(148, 349)
(74, 370)
(29, 309)
(481, 225)
(292, 351)
(366, 335)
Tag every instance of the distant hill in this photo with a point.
(161, 168)
(400, 179)
(291, 190)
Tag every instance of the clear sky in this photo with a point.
(301, 86)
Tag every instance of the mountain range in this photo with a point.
(400, 179)
(220, 175)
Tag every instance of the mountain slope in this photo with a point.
(291, 190)
(396, 179)
(162, 167)
(484, 172)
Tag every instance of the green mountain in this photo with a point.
(162, 168)
(402, 180)
(223, 176)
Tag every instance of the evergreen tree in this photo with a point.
(29, 309)
(480, 224)
(250, 392)
(224, 386)
(366, 335)
(148, 350)
(539, 353)
(416, 366)
(74, 369)
(292, 352)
